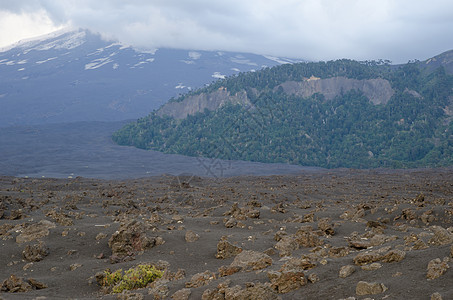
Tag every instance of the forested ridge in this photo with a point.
(413, 129)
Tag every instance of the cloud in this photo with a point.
(311, 29)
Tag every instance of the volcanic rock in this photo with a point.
(251, 260)
(35, 252)
(226, 250)
(200, 279)
(346, 271)
(365, 288)
(287, 281)
(437, 268)
(191, 236)
(130, 238)
(35, 231)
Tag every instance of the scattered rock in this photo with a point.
(441, 236)
(394, 256)
(16, 284)
(365, 288)
(61, 218)
(278, 208)
(200, 279)
(127, 295)
(74, 267)
(437, 268)
(182, 294)
(159, 289)
(325, 225)
(131, 238)
(436, 296)
(227, 270)
(230, 223)
(372, 267)
(226, 250)
(191, 236)
(286, 245)
(313, 278)
(252, 291)
(298, 263)
(100, 236)
(251, 260)
(287, 281)
(306, 237)
(337, 252)
(35, 231)
(36, 284)
(367, 258)
(346, 271)
(35, 252)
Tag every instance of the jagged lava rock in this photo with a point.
(251, 260)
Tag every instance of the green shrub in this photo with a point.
(134, 278)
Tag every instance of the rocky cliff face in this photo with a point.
(378, 90)
(198, 103)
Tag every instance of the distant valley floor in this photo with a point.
(85, 149)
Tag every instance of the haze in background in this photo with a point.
(399, 30)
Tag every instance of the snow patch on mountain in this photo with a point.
(97, 63)
(44, 61)
(194, 55)
(239, 59)
(217, 75)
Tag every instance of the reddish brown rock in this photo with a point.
(35, 252)
(200, 279)
(394, 256)
(286, 245)
(251, 260)
(226, 250)
(367, 258)
(227, 271)
(287, 281)
(35, 231)
(298, 263)
(441, 236)
(182, 294)
(191, 236)
(15, 285)
(325, 225)
(436, 296)
(346, 271)
(366, 288)
(308, 238)
(437, 268)
(131, 238)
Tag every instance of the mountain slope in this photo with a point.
(329, 114)
(77, 76)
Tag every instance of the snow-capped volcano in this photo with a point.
(74, 75)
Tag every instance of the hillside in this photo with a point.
(75, 75)
(329, 114)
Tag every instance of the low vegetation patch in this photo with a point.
(134, 278)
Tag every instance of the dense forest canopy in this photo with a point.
(413, 129)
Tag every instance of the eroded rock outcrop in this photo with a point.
(378, 90)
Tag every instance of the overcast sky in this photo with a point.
(399, 30)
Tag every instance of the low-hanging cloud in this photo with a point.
(398, 30)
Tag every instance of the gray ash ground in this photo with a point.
(380, 234)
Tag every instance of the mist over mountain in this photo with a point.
(71, 76)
